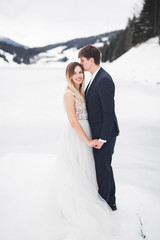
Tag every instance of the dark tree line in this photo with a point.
(138, 30)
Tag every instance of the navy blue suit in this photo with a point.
(104, 125)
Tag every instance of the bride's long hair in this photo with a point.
(69, 74)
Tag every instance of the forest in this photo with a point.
(138, 30)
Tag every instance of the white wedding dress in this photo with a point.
(84, 214)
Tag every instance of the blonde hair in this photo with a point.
(69, 74)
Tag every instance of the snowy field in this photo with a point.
(32, 116)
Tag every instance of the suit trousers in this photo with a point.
(104, 172)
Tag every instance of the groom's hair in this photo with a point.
(90, 51)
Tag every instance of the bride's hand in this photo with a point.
(93, 142)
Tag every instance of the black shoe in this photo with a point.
(113, 206)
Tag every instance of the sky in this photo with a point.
(41, 22)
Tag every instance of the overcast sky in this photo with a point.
(41, 22)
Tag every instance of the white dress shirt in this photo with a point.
(92, 78)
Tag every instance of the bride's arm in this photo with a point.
(69, 101)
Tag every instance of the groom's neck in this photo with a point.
(94, 68)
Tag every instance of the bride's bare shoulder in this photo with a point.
(69, 96)
(68, 91)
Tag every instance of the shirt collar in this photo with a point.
(94, 74)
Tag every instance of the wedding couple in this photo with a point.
(85, 181)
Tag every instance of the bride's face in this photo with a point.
(78, 76)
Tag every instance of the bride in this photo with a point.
(86, 215)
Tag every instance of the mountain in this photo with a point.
(11, 51)
(11, 42)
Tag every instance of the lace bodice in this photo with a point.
(81, 110)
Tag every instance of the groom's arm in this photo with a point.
(106, 91)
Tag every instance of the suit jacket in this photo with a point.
(100, 106)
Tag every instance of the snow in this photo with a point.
(51, 56)
(10, 63)
(140, 63)
(32, 115)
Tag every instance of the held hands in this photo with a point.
(92, 143)
(96, 143)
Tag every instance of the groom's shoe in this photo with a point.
(113, 206)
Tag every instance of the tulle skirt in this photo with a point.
(84, 214)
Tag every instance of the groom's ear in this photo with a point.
(92, 60)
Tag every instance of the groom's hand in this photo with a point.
(98, 144)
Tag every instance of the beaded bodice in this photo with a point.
(81, 111)
(80, 108)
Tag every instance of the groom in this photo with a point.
(102, 119)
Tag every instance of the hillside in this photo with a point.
(140, 64)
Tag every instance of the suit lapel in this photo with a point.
(86, 89)
(93, 83)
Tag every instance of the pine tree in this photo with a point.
(139, 29)
(146, 25)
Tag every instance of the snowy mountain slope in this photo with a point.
(139, 64)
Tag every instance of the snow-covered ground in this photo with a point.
(32, 115)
